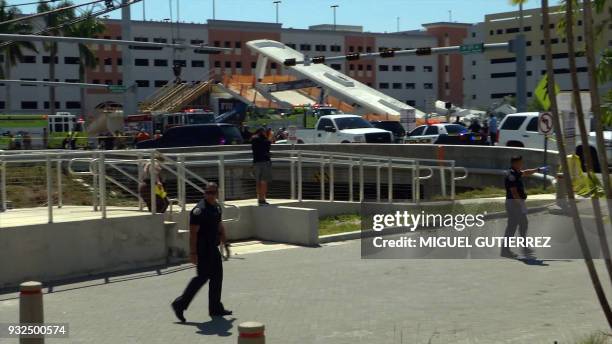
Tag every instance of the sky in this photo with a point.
(373, 15)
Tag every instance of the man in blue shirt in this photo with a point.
(492, 129)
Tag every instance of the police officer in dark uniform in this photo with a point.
(516, 208)
(206, 233)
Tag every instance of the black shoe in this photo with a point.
(220, 313)
(178, 311)
(262, 202)
(508, 254)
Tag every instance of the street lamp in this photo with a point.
(214, 9)
(333, 7)
(277, 4)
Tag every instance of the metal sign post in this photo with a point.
(545, 127)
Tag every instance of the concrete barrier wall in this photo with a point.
(286, 224)
(69, 249)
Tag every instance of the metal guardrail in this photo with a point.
(180, 166)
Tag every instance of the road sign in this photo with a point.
(117, 88)
(545, 123)
(471, 48)
(541, 92)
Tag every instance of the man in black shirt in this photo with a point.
(262, 165)
(516, 208)
(206, 233)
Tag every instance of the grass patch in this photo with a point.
(339, 224)
(596, 338)
(490, 192)
(26, 188)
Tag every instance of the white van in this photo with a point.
(521, 130)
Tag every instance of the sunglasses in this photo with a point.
(210, 192)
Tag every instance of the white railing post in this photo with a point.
(153, 176)
(292, 171)
(452, 178)
(417, 183)
(299, 177)
(350, 179)
(140, 180)
(183, 184)
(3, 186)
(322, 178)
(49, 190)
(59, 183)
(361, 191)
(331, 178)
(390, 181)
(443, 180)
(102, 184)
(377, 180)
(94, 182)
(222, 178)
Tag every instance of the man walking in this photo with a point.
(206, 233)
(262, 164)
(492, 129)
(516, 209)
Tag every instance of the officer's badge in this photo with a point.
(197, 211)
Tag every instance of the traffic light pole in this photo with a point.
(129, 97)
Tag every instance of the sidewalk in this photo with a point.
(329, 295)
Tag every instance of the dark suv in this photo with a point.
(196, 135)
(394, 127)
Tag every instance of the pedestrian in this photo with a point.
(144, 188)
(206, 234)
(516, 209)
(73, 140)
(246, 134)
(475, 126)
(18, 140)
(157, 135)
(142, 136)
(262, 164)
(492, 129)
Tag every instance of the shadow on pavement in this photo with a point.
(217, 326)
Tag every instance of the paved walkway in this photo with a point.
(330, 295)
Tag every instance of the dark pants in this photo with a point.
(517, 218)
(209, 268)
(144, 190)
(492, 138)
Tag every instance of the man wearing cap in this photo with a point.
(516, 209)
(206, 233)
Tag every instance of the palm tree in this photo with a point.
(53, 20)
(12, 51)
(520, 4)
(573, 208)
(87, 28)
(586, 153)
(589, 38)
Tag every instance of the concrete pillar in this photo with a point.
(251, 332)
(31, 308)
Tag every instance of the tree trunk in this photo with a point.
(52, 56)
(584, 136)
(8, 85)
(573, 209)
(589, 38)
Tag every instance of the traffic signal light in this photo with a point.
(318, 59)
(423, 51)
(387, 53)
(353, 57)
(289, 62)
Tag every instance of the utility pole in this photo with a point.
(450, 16)
(277, 2)
(129, 97)
(214, 9)
(334, 7)
(398, 24)
(144, 17)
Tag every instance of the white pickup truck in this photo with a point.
(343, 129)
(521, 130)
